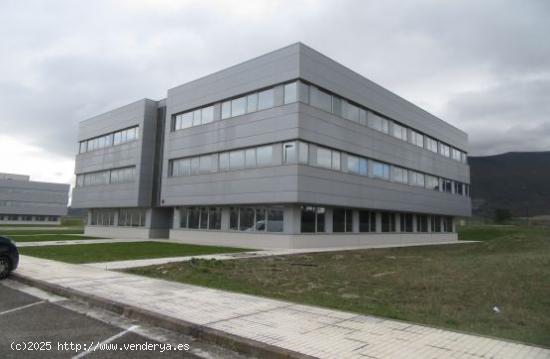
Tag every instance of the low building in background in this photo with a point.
(287, 150)
(23, 201)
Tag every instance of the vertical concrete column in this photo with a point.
(355, 222)
(225, 218)
(328, 220)
(429, 224)
(378, 222)
(292, 219)
(115, 220)
(176, 218)
(453, 224)
(88, 218)
(415, 225)
(148, 217)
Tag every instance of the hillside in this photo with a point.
(518, 181)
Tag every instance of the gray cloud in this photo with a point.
(483, 66)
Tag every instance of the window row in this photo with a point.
(127, 217)
(111, 139)
(256, 219)
(25, 217)
(12, 203)
(314, 155)
(341, 107)
(313, 220)
(256, 101)
(114, 176)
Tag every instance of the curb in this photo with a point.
(209, 335)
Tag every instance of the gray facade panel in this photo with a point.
(138, 153)
(327, 73)
(320, 127)
(325, 187)
(33, 198)
(266, 70)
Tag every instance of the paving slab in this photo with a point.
(298, 328)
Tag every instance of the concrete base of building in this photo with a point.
(301, 241)
(125, 232)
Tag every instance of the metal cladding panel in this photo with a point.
(30, 197)
(327, 73)
(325, 187)
(276, 184)
(263, 71)
(329, 130)
(139, 153)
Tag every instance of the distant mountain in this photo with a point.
(517, 181)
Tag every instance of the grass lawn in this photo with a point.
(48, 237)
(108, 252)
(452, 286)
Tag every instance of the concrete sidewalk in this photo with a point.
(296, 328)
(65, 242)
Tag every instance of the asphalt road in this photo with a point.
(55, 327)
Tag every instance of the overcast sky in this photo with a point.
(483, 66)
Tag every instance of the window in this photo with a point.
(456, 155)
(312, 219)
(436, 224)
(421, 223)
(265, 155)
(416, 179)
(444, 150)
(303, 152)
(289, 152)
(252, 102)
(205, 165)
(320, 99)
(459, 188)
(291, 92)
(193, 218)
(448, 224)
(337, 106)
(215, 218)
(184, 212)
(342, 220)
(234, 219)
(399, 174)
(109, 139)
(353, 164)
(388, 222)
(367, 221)
(207, 114)
(238, 106)
(350, 111)
(446, 185)
(83, 146)
(224, 161)
(324, 157)
(226, 110)
(265, 99)
(131, 217)
(236, 160)
(431, 144)
(275, 220)
(246, 219)
(399, 132)
(195, 165)
(363, 167)
(378, 123)
(463, 157)
(432, 183)
(417, 139)
(380, 170)
(336, 160)
(250, 158)
(406, 222)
